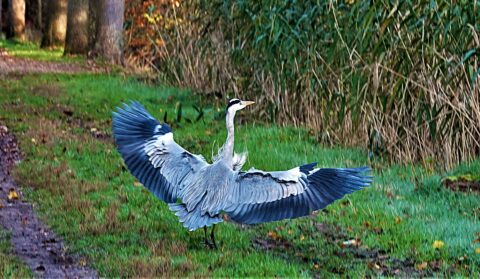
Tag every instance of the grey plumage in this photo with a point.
(199, 192)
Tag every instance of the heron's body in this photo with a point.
(199, 192)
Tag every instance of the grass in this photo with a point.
(32, 51)
(10, 266)
(82, 190)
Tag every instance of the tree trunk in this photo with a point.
(39, 13)
(17, 19)
(1, 25)
(56, 23)
(109, 39)
(76, 41)
(93, 7)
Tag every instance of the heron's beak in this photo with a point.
(247, 103)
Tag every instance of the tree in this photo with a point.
(1, 25)
(56, 23)
(39, 13)
(76, 41)
(109, 37)
(93, 7)
(16, 9)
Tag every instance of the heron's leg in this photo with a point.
(207, 242)
(212, 236)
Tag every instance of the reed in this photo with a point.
(398, 77)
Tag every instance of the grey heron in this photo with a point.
(200, 193)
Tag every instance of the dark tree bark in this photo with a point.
(93, 7)
(39, 13)
(109, 39)
(16, 9)
(56, 23)
(1, 25)
(76, 41)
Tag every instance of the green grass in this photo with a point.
(10, 266)
(32, 51)
(82, 190)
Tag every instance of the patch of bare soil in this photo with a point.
(10, 64)
(42, 251)
(378, 261)
(462, 185)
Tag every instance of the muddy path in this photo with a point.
(15, 65)
(32, 241)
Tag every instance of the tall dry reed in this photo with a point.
(399, 77)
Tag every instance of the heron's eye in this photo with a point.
(233, 102)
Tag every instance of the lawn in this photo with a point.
(32, 51)
(406, 223)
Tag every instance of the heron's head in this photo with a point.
(236, 104)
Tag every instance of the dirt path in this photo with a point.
(32, 241)
(11, 64)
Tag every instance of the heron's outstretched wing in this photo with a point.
(258, 196)
(151, 154)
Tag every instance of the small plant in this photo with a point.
(180, 115)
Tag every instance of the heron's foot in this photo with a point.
(214, 244)
(209, 244)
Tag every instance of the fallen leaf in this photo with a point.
(398, 220)
(437, 244)
(34, 141)
(12, 195)
(422, 266)
(302, 237)
(477, 250)
(373, 265)
(351, 242)
(316, 266)
(93, 130)
(273, 235)
(137, 184)
(389, 194)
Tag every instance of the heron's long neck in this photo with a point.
(227, 154)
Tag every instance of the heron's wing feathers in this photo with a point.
(151, 154)
(263, 197)
(256, 186)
